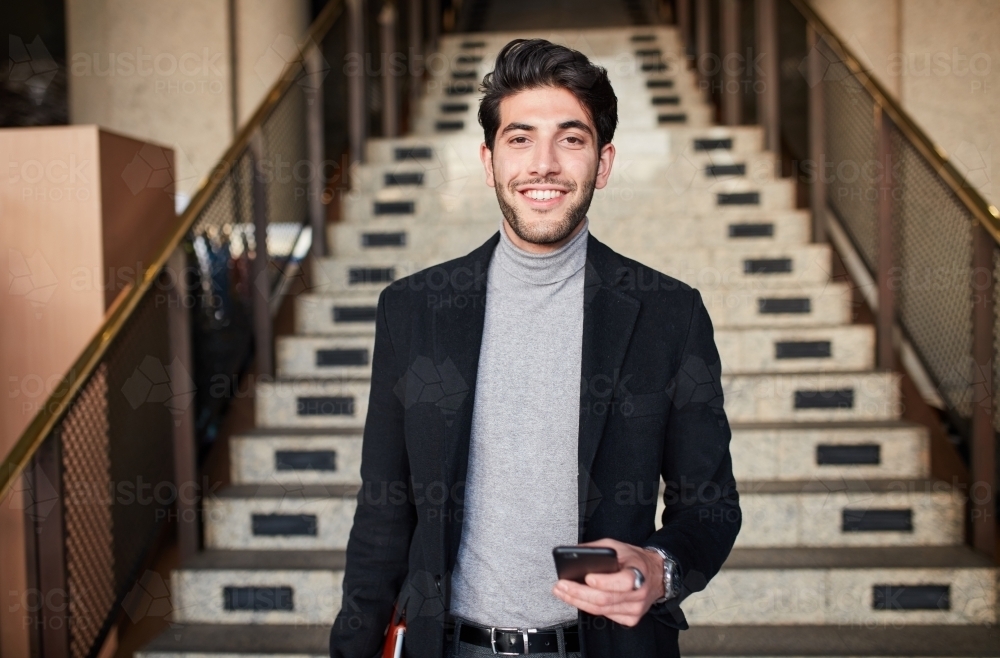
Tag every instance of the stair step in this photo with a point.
(243, 640)
(751, 306)
(873, 639)
(318, 357)
(801, 349)
(280, 516)
(340, 315)
(258, 587)
(762, 266)
(295, 457)
(812, 396)
(622, 200)
(662, 142)
(830, 451)
(312, 403)
(850, 513)
(696, 170)
(885, 586)
(446, 240)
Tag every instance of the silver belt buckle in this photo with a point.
(493, 640)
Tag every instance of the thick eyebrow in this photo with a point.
(565, 125)
(516, 126)
(576, 123)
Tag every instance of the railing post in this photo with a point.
(415, 59)
(390, 95)
(316, 144)
(729, 48)
(357, 107)
(185, 452)
(263, 329)
(433, 24)
(983, 449)
(817, 136)
(886, 316)
(766, 25)
(684, 27)
(702, 44)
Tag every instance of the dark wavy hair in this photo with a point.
(530, 63)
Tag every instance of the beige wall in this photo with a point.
(942, 62)
(172, 77)
(268, 33)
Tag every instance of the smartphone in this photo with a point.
(575, 562)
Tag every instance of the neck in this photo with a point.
(535, 248)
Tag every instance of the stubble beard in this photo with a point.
(548, 234)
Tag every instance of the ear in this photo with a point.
(604, 161)
(486, 155)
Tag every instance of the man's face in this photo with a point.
(545, 165)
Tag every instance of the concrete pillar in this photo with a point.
(177, 73)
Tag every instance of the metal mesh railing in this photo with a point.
(101, 473)
(933, 253)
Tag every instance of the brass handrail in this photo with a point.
(985, 213)
(125, 304)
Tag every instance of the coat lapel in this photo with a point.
(458, 319)
(609, 317)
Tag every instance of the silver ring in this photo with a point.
(639, 579)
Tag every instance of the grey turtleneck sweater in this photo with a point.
(521, 490)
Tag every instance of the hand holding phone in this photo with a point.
(575, 562)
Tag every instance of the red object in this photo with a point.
(394, 634)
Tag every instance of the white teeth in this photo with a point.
(542, 195)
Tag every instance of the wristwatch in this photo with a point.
(671, 586)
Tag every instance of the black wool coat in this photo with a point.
(650, 407)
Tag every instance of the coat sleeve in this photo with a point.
(702, 515)
(385, 518)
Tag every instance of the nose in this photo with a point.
(544, 159)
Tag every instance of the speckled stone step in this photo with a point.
(834, 396)
(762, 266)
(242, 640)
(830, 451)
(801, 349)
(258, 587)
(756, 306)
(281, 516)
(621, 200)
(296, 457)
(339, 315)
(444, 240)
(873, 639)
(318, 357)
(312, 403)
(844, 587)
(700, 170)
(850, 513)
(644, 116)
(662, 142)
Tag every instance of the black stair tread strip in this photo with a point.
(858, 557)
(298, 432)
(919, 486)
(272, 639)
(256, 559)
(837, 640)
(846, 454)
(660, 84)
(876, 520)
(269, 491)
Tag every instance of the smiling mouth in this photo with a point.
(543, 195)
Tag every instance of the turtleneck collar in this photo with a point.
(543, 269)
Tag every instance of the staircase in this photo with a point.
(847, 548)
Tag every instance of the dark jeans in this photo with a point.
(459, 649)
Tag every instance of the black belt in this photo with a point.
(511, 641)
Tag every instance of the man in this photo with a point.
(562, 392)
